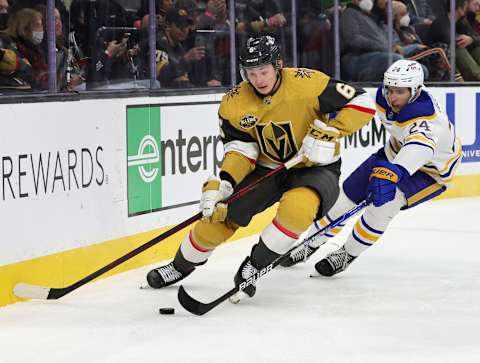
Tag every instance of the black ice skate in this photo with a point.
(301, 254)
(245, 272)
(335, 262)
(170, 274)
(165, 276)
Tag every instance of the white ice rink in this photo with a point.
(415, 297)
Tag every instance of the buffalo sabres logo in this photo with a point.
(248, 121)
(277, 140)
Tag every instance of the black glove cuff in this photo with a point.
(225, 176)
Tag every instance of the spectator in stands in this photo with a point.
(420, 12)
(467, 42)
(161, 8)
(114, 64)
(194, 9)
(3, 14)
(68, 76)
(15, 72)
(365, 44)
(259, 17)
(17, 5)
(86, 17)
(379, 11)
(473, 15)
(315, 37)
(406, 41)
(213, 34)
(26, 30)
(174, 62)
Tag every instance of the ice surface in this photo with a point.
(415, 297)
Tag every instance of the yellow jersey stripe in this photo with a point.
(423, 193)
(450, 161)
(406, 123)
(380, 108)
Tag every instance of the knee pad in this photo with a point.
(298, 208)
(211, 235)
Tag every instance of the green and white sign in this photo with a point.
(144, 159)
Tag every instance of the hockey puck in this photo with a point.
(166, 311)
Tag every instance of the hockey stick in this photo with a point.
(198, 308)
(30, 291)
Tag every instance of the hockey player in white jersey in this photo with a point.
(417, 163)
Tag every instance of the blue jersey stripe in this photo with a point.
(419, 143)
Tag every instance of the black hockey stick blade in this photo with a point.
(198, 308)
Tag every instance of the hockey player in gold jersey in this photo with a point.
(266, 120)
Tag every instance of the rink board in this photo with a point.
(87, 181)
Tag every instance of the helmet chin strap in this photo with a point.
(279, 78)
(417, 93)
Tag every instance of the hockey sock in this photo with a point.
(342, 205)
(191, 252)
(371, 225)
(320, 224)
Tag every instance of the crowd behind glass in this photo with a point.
(105, 44)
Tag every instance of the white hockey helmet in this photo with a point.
(404, 73)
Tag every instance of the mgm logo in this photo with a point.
(277, 140)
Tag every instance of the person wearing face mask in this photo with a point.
(467, 55)
(421, 12)
(74, 78)
(405, 39)
(364, 43)
(26, 30)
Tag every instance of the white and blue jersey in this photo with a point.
(421, 137)
(422, 140)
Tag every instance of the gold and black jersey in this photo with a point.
(278, 123)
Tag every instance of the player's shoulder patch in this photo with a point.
(421, 109)
(232, 92)
(234, 99)
(301, 75)
(304, 82)
(304, 73)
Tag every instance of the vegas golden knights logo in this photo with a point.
(277, 140)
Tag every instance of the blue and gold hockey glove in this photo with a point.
(383, 182)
